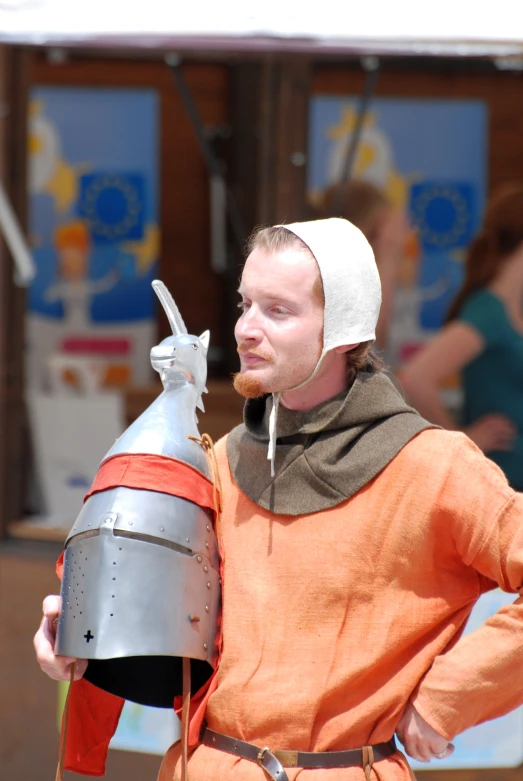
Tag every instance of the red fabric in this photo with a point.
(197, 708)
(96, 346)
(60, 565)
(93, 719)
(93, 713)
(154, 473)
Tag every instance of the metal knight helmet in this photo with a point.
(141, 580)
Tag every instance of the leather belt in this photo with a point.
(274, 762)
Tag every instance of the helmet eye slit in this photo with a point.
(135, 536)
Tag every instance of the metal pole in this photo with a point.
(371, 65)
(25, 269)
(214, 164)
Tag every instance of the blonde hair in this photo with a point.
(275, 239)
(278, 239)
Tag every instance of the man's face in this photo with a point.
(280, 330)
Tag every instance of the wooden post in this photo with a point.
(13, 426)
(270, 124)
(292, 111)
(283, 127)
(269, 117)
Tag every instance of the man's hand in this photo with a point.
(421, 742)
(56, 667)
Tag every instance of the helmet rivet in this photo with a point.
(207, 608)
(208, 585)
(187, 539)
(198, 559)
(208, 528)
(205, 646)
(205, 569)
(130, 523)
(206, 544)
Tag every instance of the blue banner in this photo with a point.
(428, 157)
(93, 220)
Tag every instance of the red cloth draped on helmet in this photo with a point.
(154, 473)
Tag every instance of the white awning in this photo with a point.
(406, 27)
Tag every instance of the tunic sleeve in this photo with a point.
(481, 676)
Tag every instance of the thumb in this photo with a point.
(447, 752)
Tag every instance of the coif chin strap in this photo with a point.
(65, 722)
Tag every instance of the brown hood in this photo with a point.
(323, 456)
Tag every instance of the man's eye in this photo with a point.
(279, 310)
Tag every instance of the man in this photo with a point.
(352, 561)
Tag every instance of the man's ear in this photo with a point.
(345, 348)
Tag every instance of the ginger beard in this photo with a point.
(251, 383)
(246, 383)
(248, 386)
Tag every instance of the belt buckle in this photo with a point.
(261, 754)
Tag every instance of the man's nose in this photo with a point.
(248, 327)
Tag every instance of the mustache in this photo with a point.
(244, 348)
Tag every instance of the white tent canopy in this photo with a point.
(446, 27)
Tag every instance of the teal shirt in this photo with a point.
(493, 382)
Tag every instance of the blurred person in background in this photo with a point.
(73, 286)
(483, 340)
(386, 228)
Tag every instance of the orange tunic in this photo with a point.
(333, 621)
